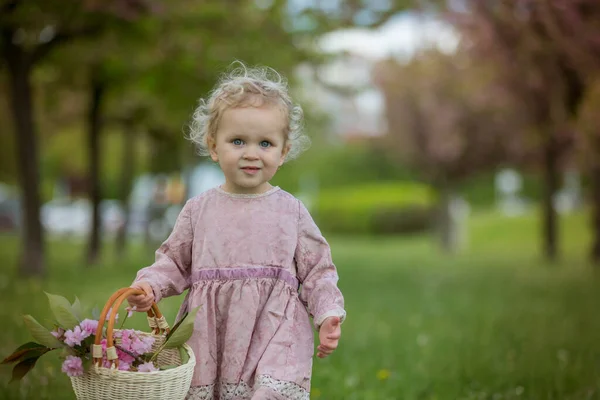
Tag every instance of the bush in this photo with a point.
(414, 219)
(382, 208)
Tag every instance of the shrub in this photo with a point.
(376, 208)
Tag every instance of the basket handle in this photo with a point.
(155, 320)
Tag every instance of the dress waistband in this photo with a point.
(248, 273)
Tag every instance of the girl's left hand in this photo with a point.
(329, 336)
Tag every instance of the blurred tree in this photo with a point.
(588, 122)
(29, 31)
(162, 65)
(130, 126)
(183, 49)
(573, 27)
(8, 170)
(512, 35)
(447, 119)
(326, 16)
(104, 63)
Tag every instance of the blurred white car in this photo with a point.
(64, 217)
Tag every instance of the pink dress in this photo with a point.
(259, 266)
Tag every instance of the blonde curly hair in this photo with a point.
(248, 87)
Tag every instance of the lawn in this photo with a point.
(493, 322)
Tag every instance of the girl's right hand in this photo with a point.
(142, 302)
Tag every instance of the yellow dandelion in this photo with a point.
(316, 392)
(383, 374)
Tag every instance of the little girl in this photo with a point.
(249, 253)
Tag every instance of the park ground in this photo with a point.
(494, 321)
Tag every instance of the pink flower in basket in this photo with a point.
(132, 341)
(147, 367)
(89, 326)
(123, 357)
(76, 335)
(110, 312)
(73, 366)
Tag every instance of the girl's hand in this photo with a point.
(142, 302)
(329, 336)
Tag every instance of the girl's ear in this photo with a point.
(212, 148)
(284, 153)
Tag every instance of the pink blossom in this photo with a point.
(75, 336)
(147, 367)
(58, 332)
(108, 315)
(72, 366)
(142, 344)
(135, 342)
(125, 336)
(123, 366)
(89, 326)
(130, 311)
(124, 357)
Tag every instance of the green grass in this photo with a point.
(493, 322)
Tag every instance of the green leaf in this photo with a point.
(22, 352)
(165, 367)
(177, 325)
(185, 357)
(87, 363)
(77, 309)
(41, 334)
(96, 313)
(22, 368)
(88, 341)
(50, 322)
(182, 331)
(63, 311)
(67, 351)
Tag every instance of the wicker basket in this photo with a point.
(109, 383)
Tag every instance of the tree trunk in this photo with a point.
(32, 259)
(595, 199)
(94, 129)
(447, 229)
(127, 167)
(551, 182)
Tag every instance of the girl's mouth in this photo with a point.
(250, 170)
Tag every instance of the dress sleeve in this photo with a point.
(316, 272)
(169, 275)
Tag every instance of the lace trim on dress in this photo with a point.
(201, 392)
(288, 389)
(230, 391)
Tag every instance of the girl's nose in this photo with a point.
(250, 154)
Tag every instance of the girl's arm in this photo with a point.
(169, 275)
(316, 272)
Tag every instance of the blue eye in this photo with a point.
(237, 142)
(265, 144)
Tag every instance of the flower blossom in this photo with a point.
(130, 311)
(58, 332)
(147, 367)
(108, 315)
(75, 336)
(89, 326)
(72, 366)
